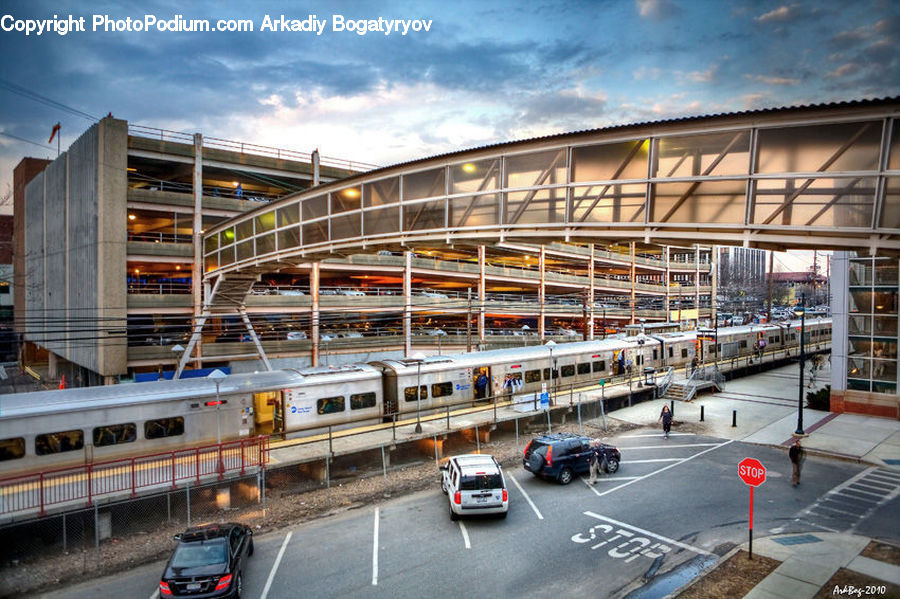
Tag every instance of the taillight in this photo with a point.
(457, 498)
(549, 455)
(505, 495)
(527, 447)
(164, 588)
(224, 582)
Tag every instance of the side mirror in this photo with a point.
(444, 467)
(177, 537)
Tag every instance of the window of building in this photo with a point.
(600, 366)
(441, 389)
(532, 376)
(568, 370)
(330, 405)
(164, 427)
(359, 401)
(584, 368)
(60, 442)
(655, 354)
(410, 393)
(12, 449)
(114, 434)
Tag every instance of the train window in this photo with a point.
(410, 393)
(12, 449)
(164, 427)
(59, 442)
(684, 352)
(718, 348)
(330, 405)
(547, 374)
(771, 340)
(441, 389)
(599, 365)
(115, 434)
(532, 376)
(584, 368)
(359, 401)
(671, 352)
(655, 354)
(568, 370)
(743, 344)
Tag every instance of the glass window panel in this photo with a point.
(226, 256)
(883, 349)
(59, 442)
(529, 207)
(266, 243)
(826, 202)
(289, 238)
(423, 215)
(345, 226)
(330, 405)
(12, 449)
(289, 215)
(226, 237)
(884, 302)
(857, 385)
(346, 200)
(386, 220)
(609, 203)
(540, 168)
(210, 243)
(625, 160)
(244, 229)
(265, 222)
(886, 272)
(707, 202)
(860, 347)
(858, 368)
(114, 434)
(164, 427)
(888, 388)
(894, 160)
(475, 176)
(245, 250)
(210, 221)
(860, 325)
(809, 148)
(712, 154)
(315, 207)
(212, 262)
(884, 370)
(861, 301)
(885, 326)
(426, 184)
(385, 191)
(890, 211)
(475, 211)
(860, 272)
(316, 232)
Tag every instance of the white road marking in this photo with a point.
(527, 498)
(284, 545)
(465, 534)
(155, 594)
(375, 552)
(657, 435)
(648, 461)
(650, 534)
(667, 446)
(663, 469)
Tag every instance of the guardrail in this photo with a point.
(82, 485)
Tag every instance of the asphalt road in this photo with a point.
(673, 507)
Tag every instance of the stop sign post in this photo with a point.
(753, 473)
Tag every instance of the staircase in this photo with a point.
(677, 391)
(702, 378)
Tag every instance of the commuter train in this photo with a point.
(49, 429)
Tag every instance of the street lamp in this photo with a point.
(419, 357)
(549, 346)
(177, 349)
(217, 376)
(801, 312)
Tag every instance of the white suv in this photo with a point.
(474, 484)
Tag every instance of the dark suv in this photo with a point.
(208, 562)
(563, 455)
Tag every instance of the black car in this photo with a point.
(208, 562)
(561, 456)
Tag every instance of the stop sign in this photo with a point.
(752, 472)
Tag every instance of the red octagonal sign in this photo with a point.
(752, 472)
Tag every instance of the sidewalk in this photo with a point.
(764, 409)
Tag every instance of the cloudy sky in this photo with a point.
(484, 72)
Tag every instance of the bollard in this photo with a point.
(733, 418)
(672, 408)
(701, 413)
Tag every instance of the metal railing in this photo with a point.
(76, 486)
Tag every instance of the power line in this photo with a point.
(26, 93)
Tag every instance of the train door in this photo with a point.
(481, 382)
(268, 412)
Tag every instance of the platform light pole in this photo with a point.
(801, 312)
(217, 376)
(549, 345)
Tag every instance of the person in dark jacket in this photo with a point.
(797, 455)
(666, 417)
(481, 386)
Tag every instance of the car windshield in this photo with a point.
(478, 482)
(203, 553)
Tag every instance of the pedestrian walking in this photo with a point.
(797, 455)
(666, 416)
(594, 464)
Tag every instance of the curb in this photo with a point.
(709, 570)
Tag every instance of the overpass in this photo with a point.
(823, 176)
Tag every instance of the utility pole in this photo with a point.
(771, 281)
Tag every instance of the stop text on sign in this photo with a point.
(752, 472)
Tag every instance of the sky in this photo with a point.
(482, 72)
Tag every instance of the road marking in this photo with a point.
(650, 534)
(375, 552)
(649, 461)
(284, 545)
(667, 446)
(527, 498)
(155, 594)
(465, 534)
(663, 469)
(657, 435)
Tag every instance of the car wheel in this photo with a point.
(239, 586)
(565, 476)
(453, 515)
(612, 465)
(536, 462)
(250, 549)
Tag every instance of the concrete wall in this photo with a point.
(75, 251)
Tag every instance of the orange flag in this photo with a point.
(53, 133)
(62, 381)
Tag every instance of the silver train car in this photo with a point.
(50, 429)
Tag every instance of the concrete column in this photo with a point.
(714, 284)
(315, 164)
(482, 293)
(667, 282)
(697, 280)
(591, 296)
(407, 303)
(541, 294)
(633, 281)
(197, 266)
(314, 313)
